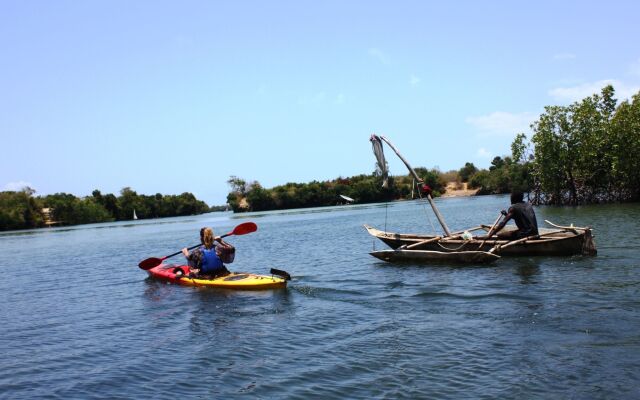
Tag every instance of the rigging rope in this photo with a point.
(456, 249)
(386, 213)
(424, 208)
(383, 169)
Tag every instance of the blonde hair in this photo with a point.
(207, 238)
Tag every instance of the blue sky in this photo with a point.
(175, 96)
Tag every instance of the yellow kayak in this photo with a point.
(235, 280)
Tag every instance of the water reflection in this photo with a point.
(528, 269)
(216, 310)
(155, 290)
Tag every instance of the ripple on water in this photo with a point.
(85, 322)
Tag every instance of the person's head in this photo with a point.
(202, 235)
(517, 197)
(207, 238)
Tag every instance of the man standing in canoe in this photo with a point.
(207, 260)
(523, 215)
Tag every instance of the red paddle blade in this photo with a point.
(150, 263)
(244, 228)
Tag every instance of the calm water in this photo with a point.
(81, 320)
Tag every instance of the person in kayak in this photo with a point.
(207, 260)
(523, 215)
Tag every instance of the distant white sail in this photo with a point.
(347, 198)
(134, 214)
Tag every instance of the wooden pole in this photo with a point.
(419, 180)
(413, 246)
(509, 244)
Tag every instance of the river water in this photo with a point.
(81, 320)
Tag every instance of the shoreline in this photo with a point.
(453, 191)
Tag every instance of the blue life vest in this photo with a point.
(211, 263)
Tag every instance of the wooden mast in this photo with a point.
(419, 180)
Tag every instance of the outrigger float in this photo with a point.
(464, 247)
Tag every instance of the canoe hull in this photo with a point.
(436, 257)
(235, 280)
(560, 244)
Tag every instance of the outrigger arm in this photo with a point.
(419, 181)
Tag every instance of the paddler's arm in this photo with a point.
(494, 230)
(222, 242)
(185, 252)
(507, 217)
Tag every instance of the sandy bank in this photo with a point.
(455, 189)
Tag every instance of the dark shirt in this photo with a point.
(525, 219)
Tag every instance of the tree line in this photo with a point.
(583, 153)
(503, 176)
(252, 196)
(23, 210)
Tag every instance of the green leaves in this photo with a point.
(467, 171)
(587, 152)
(20, 210)
(363, 188)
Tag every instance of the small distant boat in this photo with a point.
(347, 198)
(134, 214)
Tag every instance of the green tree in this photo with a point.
(625, 147)
(575, 151)
(237, 184)
(97, 195)
(467, 171)
(71, 210)
(111, 204)
(128, 202)
(496, 163)
(20, 210)
(259, 199)
(519, 149)
(482, 180)
(587, 152)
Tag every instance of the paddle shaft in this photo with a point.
(490, 231)
(241, 229)
(194, 246)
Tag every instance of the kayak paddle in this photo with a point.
(282, 274)
(241, 229)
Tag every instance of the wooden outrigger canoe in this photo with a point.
(457, 257)
(551, 242)
(462, 247)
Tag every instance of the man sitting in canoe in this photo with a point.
(207, 260)
(523, 215)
